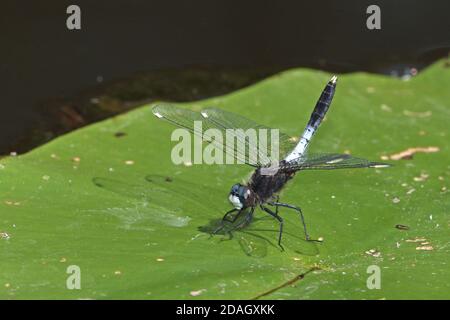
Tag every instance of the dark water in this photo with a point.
(133, 51)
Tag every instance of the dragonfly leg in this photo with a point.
(285, 205)
(245, 221)
(276, 207)
(225, 218)
(280, 220)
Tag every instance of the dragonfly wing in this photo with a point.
(164, 194)
(128, 190)
(180, 117)
(185, 118)
(329, 161)
(221, 120)
(187, 191)
(142, 207)
(228, 120)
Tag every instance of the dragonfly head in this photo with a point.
(240, 196)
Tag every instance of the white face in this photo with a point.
(235, 201)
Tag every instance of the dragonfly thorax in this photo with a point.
(241, 196)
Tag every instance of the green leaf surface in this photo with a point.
(138, 226)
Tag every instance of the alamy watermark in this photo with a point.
(374, 280)
(230, 146)
(373, 21)
(73, 281)
(73, 21)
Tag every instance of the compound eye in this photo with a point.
(235, 189)
(243, 192)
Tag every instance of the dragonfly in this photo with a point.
(146, 204)
(262, 189)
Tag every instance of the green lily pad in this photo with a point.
(138, 226)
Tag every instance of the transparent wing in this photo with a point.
(229, 120)
(166, 195)
(250, 151)
(329, 161)
(143, 207)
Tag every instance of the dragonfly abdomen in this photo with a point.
(316, 118)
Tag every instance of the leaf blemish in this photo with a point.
(287, 283)
(120, 134)
(409, 153)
